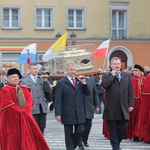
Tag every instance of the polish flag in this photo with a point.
(102, 50)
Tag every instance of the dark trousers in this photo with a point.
(40, 120)
(117, 129)
(87, 126)
(73, 134)
(101, 100)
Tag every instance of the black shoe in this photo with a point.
(51, 107)
(81, 147)
(86, 144)
(120, 148)
(136, 139)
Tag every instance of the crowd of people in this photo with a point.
(25, 101)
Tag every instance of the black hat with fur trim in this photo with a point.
(14, 71)
(139, 67)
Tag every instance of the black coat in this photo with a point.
(119, 96)
(3, 83)
(91, 101)
(69, 101)
(100, 89)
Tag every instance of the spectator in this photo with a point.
(3, 78)
(146, 70)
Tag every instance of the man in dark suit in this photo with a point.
(100, 89)
(91, 102)
(119, 101)
(69, 105)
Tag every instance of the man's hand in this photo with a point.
(82, 79)
(130, 109)
(97, 109)
(58, 118)
(113, 72)
(44, 77)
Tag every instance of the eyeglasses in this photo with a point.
(134, 70)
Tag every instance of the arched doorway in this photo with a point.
(121, 55)
(121, 52)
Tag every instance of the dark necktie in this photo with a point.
(21, 100)
(73, 82)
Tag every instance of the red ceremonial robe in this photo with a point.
(137, 83)
(143, 126)
(105, 129)
(18, 129)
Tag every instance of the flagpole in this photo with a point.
(105, 58)
(27, 51)
(105, 55)
(28, 59)
(104, 62)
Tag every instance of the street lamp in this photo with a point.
(58, 35)
(73, 38)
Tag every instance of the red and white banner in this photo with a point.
(102, 50)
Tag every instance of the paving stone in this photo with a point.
(54, 135)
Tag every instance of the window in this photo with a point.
(119, 24)
(76, 19)
(11, 17)
(119, 20)
(10, 60)
(44, 18)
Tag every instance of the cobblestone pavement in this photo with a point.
(54, 135)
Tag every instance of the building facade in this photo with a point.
(125, 22)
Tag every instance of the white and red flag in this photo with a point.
(102, 50)
(28, 60)
(28, 54)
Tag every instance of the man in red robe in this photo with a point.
(18, 129)
(146, 115)
(137, 82)
(143, 125)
